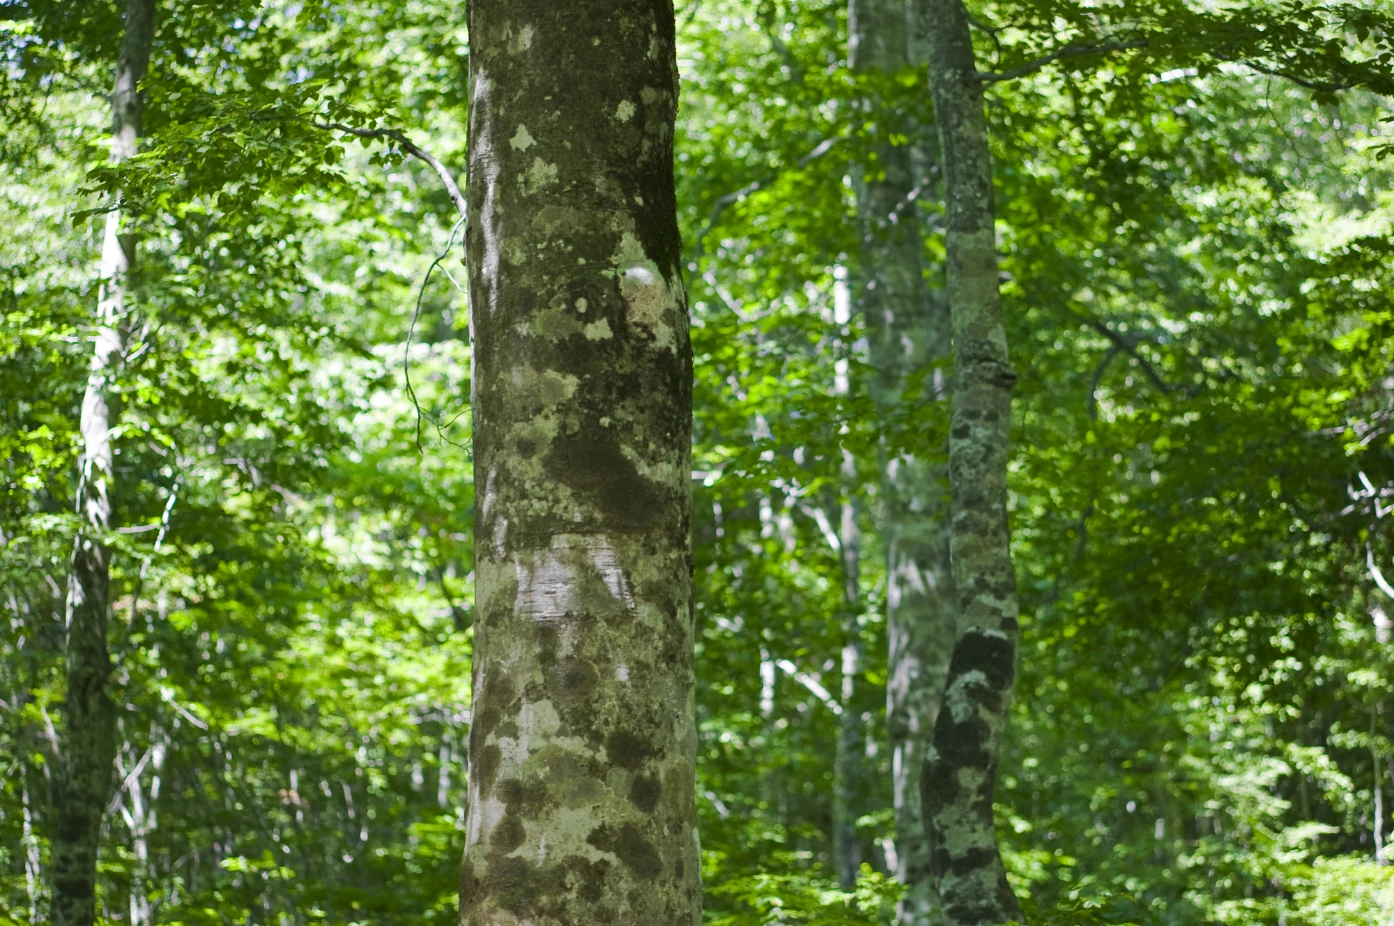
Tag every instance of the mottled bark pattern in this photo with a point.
(582, 750)
(908, 332)
(961, 772)
(83, 785)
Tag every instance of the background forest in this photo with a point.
(1197, 275)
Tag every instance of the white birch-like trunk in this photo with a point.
(85, 783)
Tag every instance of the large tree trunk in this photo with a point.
(84, 782)
(961, 772)
(582, 750)
(908, 334)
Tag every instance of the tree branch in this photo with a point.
(1375, 573)
(1066, 51)
(1319, 86)
(1113, 352)
(725, 202)
(411, 148)
(1127, 347)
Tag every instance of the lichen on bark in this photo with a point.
(908, 344)
(961, 768)
(582, 749)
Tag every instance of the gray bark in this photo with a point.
(582, 749)
(847, 760)
(961, 769)
(84, 782)
(907, 333)
(848, 766)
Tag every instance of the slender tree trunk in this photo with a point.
(138, 809)
(84, 782)
(851, 738)
(851, 741)
(907, 335)
(583, 746)
(961, 770)
(33, 872)
(771, 782)
(1375, 784)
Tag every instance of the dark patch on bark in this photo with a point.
(572, 680)
(627, 750)
(511, 882)
(971, 860)
(493, 700)
(627, 843)
(508, 834)
(469, 887)
(525, 798)
(591, 462)
(991, 655)
(645, 792)
(485, 765)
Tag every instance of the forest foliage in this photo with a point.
(1194, 224)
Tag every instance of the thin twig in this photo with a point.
(183, 712)
(124, 648)
(1113, 351)
(458, 614)
(462, 207)
(691, 15)
(129, 779)
(411, 331)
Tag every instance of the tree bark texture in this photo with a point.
(961, 770)
(583, 745)
(84, 782)
(908, 334)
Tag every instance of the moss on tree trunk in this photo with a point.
(582, 750)
(908, 335)
(961, 771)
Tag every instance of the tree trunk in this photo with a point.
(848, 773)
(851, 737)
(583, 746)
(33, 871)
(907, 333)
(84, 782)
(138, 809)
(961, 770)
